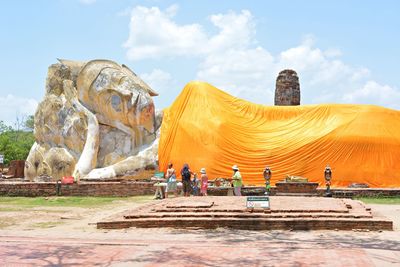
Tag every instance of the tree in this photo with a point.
(15, 144)
(30, 123)
(4, 127)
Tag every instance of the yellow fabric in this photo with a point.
(206, 127)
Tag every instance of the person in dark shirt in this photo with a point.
(186, 173)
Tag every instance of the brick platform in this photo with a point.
(299, 213)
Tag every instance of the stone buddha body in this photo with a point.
(97, 120)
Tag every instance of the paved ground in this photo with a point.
(83, 245)
(213, 248)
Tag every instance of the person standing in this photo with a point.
(267, 177)
(237, 181)
(186, 184)
(204, 182)
(195, 185)
(171, 181)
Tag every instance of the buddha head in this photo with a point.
(115, 93)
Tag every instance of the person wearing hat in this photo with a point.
(171, 181)
(236, 181)
(204, 182)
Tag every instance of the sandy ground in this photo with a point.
(35, 236)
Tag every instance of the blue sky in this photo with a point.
(343, 51)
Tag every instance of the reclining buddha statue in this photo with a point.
(97, 120)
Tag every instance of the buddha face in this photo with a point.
(117, 94)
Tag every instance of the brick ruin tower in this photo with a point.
(287, 92)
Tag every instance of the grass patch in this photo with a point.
(84, 202)
(380, 200)
(10, 208)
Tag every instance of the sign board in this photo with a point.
(1, 159)
(257, 202)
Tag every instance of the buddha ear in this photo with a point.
(69, 90)
(139, 81)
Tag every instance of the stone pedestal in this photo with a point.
(296, 189)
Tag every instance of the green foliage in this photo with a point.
(30, 123)
(14, 144)
(380, 200)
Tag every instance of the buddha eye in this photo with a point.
(116, 103)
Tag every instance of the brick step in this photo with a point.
(247, 215)
(300, 194)
(254, 224)
(302, 213)
(191, 206)
(195, 210)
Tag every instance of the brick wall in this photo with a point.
(364, 192)
(28, 189)
(146, 188)
(288, 187)
(254, 224)
(337, 192)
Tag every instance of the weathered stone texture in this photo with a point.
(287, 92)
(94, 120)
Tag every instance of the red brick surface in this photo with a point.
(215, 249)
(295, 188)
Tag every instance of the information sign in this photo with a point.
(257, 202)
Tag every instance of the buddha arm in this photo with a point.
(88, 159)
(144, 158)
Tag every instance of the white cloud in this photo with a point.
(12, 107)
(236, 31)
(243, 73)
(154, 34)
(234, 61)
(333, 52)
(158, 80)
(87, 2)
(375, 93)
(163, 83)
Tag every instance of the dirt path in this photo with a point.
(78, 222)
(57, 236)
(58, 221)
(389, 211)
